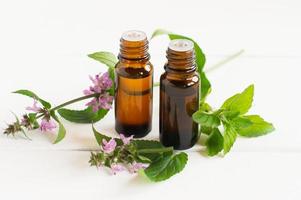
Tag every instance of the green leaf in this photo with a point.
(85, 116)
(34, 96)
(150, 144)
(206, 119)
(166, 166)
(99, 137)
(241, 122)
(206, 130)
(229, 138)
(215, 142)
(259, 127)
(240, 102)
(61, 132)
(33, 120)
(106, 58)
(205, 87)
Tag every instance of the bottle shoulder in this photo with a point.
(134, 69)
(180, 80)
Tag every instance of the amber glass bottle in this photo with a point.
(133, 86)
(179, 96)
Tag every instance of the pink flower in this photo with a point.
(115, 168)
(110, 146)
(47, 125)
(34, 108)
(126, 140)
(104, 101)
(135, 167)
(100, 86)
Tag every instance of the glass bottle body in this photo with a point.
(133, 97)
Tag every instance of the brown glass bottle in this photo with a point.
(133, 86)
(179, 96)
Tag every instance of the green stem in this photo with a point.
(70, 102)
(224, 61)
(158, 150)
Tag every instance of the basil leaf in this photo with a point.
(85, 116)
(215, 142)
(257, 128)
(229, 138)
(34, 96)
(240, 102)
(206, 119)
(166, 166)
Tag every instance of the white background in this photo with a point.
(43, 47)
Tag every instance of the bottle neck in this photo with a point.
(180, 62)
(133, 51)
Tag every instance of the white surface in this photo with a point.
(43, 47)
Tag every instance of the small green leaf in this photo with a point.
(206, 130)
(99, 137)
(259, 127)
(166, 166)
(34, 96)
(206, 119)
(85, 116)
(229, 138)
(240, 102)
(61, 132)
(215, 142)
(106, 58)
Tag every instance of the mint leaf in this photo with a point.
(166, 166)
(229, 138)
(241, 122)
(206, 119)
(104, 57)
(82, 116)
(61, 132)
(206, 130)
(240, 102)
(259, 127)
(215, 142)
(34, 96)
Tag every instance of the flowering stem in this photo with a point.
(71, 102)
(158, 150)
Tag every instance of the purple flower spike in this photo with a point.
(115, 168)
(105, 101)
(47, 125)
(110, 146)
(126, 140)
(34, 108)
(100, 86)
(135, 167)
